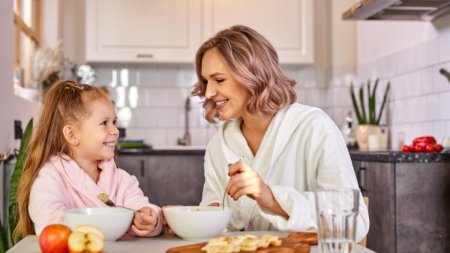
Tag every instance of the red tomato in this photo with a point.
(429, 148)
(419, 148)
(406, 148)
(438, 148)
(412, 148)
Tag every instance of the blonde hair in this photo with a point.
(65, 103)
(253, 62)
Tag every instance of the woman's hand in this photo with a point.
(144, 221)
(246, 181)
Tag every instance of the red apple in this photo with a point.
(54, 238)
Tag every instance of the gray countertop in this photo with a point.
(369, 156)
(399, 157)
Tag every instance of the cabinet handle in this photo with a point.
(142, 168)
(144, 56)
(362, 179)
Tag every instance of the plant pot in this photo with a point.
(362, 135)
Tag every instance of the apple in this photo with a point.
(86, 239)
(54, 238)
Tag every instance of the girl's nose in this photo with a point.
(210, 91)
(114, 130)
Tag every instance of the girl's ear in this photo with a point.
(69, 135)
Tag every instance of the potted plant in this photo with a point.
(368, 123)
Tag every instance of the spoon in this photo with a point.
(223, 199)
(105, 199)
(225, 191)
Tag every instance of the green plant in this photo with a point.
(13, 214)
(360, 108)
(445, 73)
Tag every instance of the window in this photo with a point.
(26, 38)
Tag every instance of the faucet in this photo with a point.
(186, 140)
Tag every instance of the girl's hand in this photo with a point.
(144, 221)
(246, 181)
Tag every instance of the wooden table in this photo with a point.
(158, 244)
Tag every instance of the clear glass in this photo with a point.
(337, 209)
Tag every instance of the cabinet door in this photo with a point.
(380, 185)
(175, 180)
(423, 204)
(136, 166)
(142, 30)
(287, 24)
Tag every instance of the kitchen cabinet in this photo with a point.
(172, 30)
(142, 30)
(167, 179)
(408, 200)
(287, 24)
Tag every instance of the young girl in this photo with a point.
(71, 161)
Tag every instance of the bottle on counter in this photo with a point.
(348, 131)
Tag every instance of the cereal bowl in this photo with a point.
(197, 222)
(112, 221)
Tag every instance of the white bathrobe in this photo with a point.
(302, 151)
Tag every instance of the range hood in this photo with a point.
(397, 10)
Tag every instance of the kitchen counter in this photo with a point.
(155, 244)
(169, 150)
(399, 157)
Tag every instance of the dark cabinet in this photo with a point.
(409, 205)
(167, 179)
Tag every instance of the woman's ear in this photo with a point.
(69, 135)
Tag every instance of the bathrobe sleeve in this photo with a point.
(328, 164)
(47, 208)
(214, 180)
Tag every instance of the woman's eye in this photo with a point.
(220, 80)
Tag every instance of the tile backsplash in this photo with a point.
(420, 96)
(150, 100)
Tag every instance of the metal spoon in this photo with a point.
(223, 199)
(105, 199)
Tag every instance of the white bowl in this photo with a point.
(195, 222)
(112, 221)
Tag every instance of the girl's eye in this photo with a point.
(219, 80)
(114, 122)
(205, 81)
(105, 122)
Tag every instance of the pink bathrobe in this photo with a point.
(61, 184)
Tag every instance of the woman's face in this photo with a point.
(229, 96)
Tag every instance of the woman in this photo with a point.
(271, 153)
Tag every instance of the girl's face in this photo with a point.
(97, 134)
(229, 96)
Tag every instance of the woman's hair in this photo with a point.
(65, 103)
(253, 62)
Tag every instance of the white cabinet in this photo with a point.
(142, 30)
(172, 30)
(287, 24)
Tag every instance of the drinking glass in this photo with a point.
(337, 209)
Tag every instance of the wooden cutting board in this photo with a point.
(297, 242)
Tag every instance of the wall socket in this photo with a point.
(17, 129)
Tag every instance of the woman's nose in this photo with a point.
(210, 91)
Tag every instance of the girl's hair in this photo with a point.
(65, 103)
(253, 62)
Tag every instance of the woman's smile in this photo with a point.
(220, 104)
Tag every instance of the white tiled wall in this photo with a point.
(419, 101)
(159, 115)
